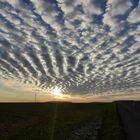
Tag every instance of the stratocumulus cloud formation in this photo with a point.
(82, 46)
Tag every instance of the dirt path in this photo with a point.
(130, 117)
(86, 132)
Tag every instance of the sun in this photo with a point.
(57, 92)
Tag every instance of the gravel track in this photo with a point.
(88, 131)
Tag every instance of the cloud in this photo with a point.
(118, 7)
(114, 9)
(134, 16)
(48, 13)
(85, 47)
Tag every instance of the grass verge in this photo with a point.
(112, 128)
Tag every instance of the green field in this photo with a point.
(57, 121)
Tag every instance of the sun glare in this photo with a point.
(57, 92)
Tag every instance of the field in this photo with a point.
(60, 121)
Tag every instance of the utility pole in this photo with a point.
(35, 97)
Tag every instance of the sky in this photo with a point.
(72, 50)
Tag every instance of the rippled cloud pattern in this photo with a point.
(81, 46)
